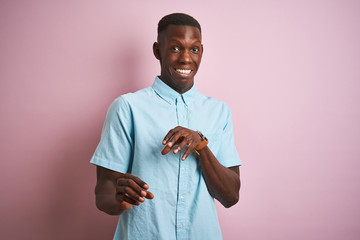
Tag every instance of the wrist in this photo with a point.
(204, 142)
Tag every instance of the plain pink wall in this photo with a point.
(289, 70)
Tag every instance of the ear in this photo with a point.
(156, 50)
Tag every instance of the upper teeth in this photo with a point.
(183, 70)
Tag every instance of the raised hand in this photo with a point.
(179, 138)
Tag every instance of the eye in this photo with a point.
(175, 49)
(195, 49)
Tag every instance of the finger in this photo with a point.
(149, 195)
(123, 198)
(168, 136)
(182, 142)
(134, 187)
(177, 138)
(130, 193)
(137, 180)
(187, 152)
(166, 150)
(171, 134)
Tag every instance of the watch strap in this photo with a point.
(203, 143)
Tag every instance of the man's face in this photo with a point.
(179, 50)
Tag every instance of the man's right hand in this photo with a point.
(131, 190)
(116, 192)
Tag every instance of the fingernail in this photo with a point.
(143, 193)
(146, 186)
(169, 144)
(141, 199)
(163, 142)
(175, 151)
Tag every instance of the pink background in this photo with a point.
(289, 70)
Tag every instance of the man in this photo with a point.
(154, 139)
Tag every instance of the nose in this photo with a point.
(185, 57)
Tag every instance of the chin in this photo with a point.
(184, 84)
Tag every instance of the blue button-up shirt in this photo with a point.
(131, 142)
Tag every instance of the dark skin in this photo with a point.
(179, 51)
(222, 183)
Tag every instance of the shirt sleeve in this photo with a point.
(114, 150)
(228, 155)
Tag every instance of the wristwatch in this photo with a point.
(204, 142)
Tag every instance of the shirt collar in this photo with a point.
(170, 95)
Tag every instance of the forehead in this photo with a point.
(180, 33)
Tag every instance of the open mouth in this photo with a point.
(183, 71)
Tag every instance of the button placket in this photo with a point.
(182, 178)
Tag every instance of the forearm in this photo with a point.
(222, 183)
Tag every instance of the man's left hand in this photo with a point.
(179, 138)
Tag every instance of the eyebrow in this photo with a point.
(176, 40)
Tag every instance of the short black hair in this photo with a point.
(177, 19)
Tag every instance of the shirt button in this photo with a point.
(180, 225)
(182, 197)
